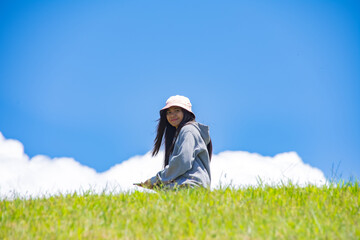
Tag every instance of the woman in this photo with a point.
(188, 148)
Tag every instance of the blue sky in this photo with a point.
(85, 79)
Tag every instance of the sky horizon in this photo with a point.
(86, 80)
(42, 176)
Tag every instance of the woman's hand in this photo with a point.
(146, 184)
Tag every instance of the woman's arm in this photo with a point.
(180, 161)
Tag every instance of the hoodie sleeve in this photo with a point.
(180, 161)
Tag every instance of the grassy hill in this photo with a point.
(264, 212)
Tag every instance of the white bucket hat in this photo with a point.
(178, 101)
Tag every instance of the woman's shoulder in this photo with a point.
(197, 129)
(190, 127)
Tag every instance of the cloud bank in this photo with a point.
(41, 175)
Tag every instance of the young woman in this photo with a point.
(188, 148)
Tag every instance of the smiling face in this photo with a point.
(174, 115)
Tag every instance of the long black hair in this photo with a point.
(164, 128)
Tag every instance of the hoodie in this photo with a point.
(189, 163)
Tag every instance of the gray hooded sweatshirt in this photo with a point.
(189, 163)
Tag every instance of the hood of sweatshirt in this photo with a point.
(204, 131)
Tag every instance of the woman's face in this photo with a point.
(174, 115)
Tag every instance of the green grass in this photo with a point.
(285, 212)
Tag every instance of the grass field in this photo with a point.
(264, 212)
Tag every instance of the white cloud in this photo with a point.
(244, 168)
(43, 175)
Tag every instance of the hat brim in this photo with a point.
(176, 105)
